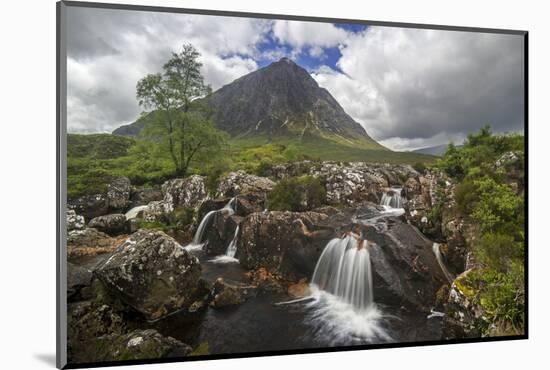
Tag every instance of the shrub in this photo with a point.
(298, 194)
(420, 167)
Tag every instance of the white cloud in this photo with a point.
(308, 34)
(407, 83)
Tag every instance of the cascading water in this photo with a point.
(342, 310)
(197, 241)
(392, 199)
(133, 213)
(232, 248)
(344, 270)
(439, 257)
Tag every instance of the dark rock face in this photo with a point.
(153, 274)
(143, 196)
(248, 203)
(77, 278)
(116, 199)
(239, 182)
(281, 99)
(226, 294)
(286, 243)
(220, 233)
(111, 224)
(139, 345)
(86, 322)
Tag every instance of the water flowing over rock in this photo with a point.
(239, 182)
(344, 270)
(111, 224)
(392, 198)
(153, 274)
(74, 221)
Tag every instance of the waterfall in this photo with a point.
(206, 221)
(232, 248)
(133, 213)
(392, 199)
(345, 271)
(439, 257)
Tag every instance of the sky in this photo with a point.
(409, 88)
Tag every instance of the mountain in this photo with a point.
(437, 150)
(278, 102)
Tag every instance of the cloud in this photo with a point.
(110, 50)
(407, 85)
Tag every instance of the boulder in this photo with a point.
(142, 196)
(153, 274)
(138, 345)
(236, 183)
(111, 224)
(77, 278)
(90, 206)
(220, 232)
(118, 194)
(350, 184)
(248, 203)
(74, 221)
(90, 241)
(226, 294)
(286, 243)
(189, 192)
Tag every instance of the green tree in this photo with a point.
(179, 121)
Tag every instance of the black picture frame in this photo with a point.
(61, 188)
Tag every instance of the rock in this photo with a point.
(86, 321)
(226, 294)
(248, 203)
(464, 314)
(350, 184)
(153, 274)
(111, 224)
(327, 210)
(285, 243)
(284, 171)
(220, 233)
(142, 196)
(211, 205)
(77, 278)
(139, 345)
(236, 183)
(299, 290)
(266, 282)
(90, 206)
(74, 221)
(189, 192)
(90, 241)
(118, 194)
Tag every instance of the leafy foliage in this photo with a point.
(490, 197)
(299, 194)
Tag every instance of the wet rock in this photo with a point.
(299, 290)
(220, 233)
(118, 194)
(77, 278)
(188, 192)
(226, 294)
(139, 345)
(240, 182)
(266, 282)
(111, 224)
(90, 241)
(142, 196)
(153, 274)
(74, 221)
(286, 243)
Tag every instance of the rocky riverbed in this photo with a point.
(179, 270)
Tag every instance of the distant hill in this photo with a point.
(437, 150)
(277, 102)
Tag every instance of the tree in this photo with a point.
(179, 121)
